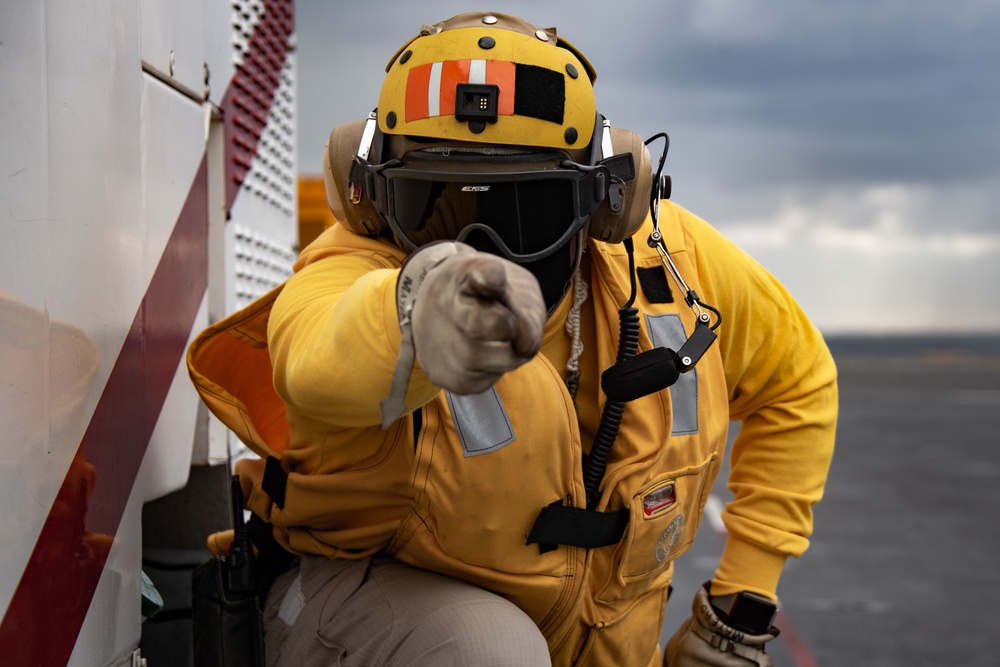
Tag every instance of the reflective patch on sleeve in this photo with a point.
(667, 330)
(481, 421)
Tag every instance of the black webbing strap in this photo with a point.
(274, 482)
(621, 166)
(272, 558)
(577, 527)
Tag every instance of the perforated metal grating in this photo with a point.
(261, 129)
(261, 263)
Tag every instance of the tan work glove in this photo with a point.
(705, 641)
(470, 317)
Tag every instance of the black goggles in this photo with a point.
(528, 213)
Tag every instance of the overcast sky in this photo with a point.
(853, 147)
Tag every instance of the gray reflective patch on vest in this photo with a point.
(481, 421)
(667, 330)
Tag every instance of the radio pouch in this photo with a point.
(227, 620)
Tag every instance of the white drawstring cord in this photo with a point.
(573, 329)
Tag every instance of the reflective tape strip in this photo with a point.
(477, 71)
(667, 330)
(430, 88)
(434, 91)
(417, 92)
(481, 421)
(502, 74)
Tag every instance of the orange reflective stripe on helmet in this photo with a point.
(430, 88)
(527, 90)
(533, 89)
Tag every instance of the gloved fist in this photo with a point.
(476, 316)
(705, 641)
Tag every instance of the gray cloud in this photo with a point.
(848, 91)
(866, 91)
(801, 117)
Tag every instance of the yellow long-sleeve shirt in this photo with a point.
(456, 486)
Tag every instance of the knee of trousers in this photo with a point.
(393, 614)
(487, 630)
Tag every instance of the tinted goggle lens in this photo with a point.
(527, 217)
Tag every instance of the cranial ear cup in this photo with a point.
(338, 157)
(615, 226)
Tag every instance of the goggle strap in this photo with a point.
(355, 179)
(355, 185)
(621, 167)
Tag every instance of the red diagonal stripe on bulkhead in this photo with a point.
(51, 601)
(43, 620)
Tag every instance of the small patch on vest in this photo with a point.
(654, 284)
(669, 537)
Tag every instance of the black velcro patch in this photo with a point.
(654, 284)
(539, 93)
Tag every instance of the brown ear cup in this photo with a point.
(361, 218)
(614, 227)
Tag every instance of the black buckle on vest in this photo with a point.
(577, 527)
(275, 481)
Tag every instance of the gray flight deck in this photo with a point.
(904, 565)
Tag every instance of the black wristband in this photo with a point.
(745, 611)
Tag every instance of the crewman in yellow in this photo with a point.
(495, 419)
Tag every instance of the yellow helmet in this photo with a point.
(486, 131)
(490, 78)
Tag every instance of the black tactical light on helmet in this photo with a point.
(487, 132)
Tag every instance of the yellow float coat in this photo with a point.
(432, 492)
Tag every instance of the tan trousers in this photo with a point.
(377, 611)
